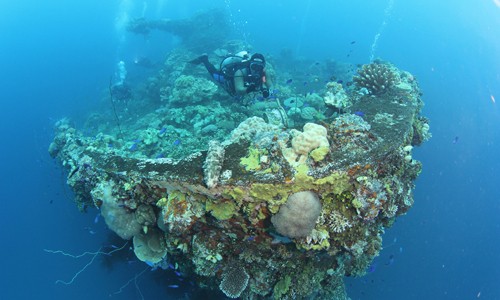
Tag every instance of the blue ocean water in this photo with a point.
(56, 58)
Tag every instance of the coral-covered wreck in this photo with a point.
(272, 208)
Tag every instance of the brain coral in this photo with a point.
(297, 217)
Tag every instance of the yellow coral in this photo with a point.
(221, 210)
(319, 154)
(252, 161)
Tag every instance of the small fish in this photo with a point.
(114, 247)
(92, 232)
(400, 249)
(353, 42)
(160, 155)
(455, 140)
(289, 81)
(251, 238)
(177, 142)
(278, 239)
(305, 83)
(162, 131)
(179, 274)
(372, 268)
(171, 266)
(96, 219)
(391, 260)
(110, 145)
(340, 81)
(316, 63)
(133, 147)
(359, 113)
(173, 286)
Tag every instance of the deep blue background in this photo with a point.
(57, 56)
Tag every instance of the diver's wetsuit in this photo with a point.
(225, 75)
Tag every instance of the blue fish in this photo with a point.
(162, 131)
(340, 81)
(251, 238)
(133, 147)
(173, 286)
(110, 145)
(391, 260)
(289, 81)
(455, 140)
(359, 113)
(160, 155)
(177, 142)
(171, 266)
(372, 268)
(179, 274)
(96, 219)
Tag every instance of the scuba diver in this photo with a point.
(239, 74)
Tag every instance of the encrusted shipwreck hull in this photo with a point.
(212, 212)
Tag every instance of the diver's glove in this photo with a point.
(265, 93)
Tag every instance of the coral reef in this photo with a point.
(236, 199)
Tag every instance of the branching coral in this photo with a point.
(337, 222)
(377, 78)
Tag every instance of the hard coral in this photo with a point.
(234, 280)
(298, 216)
(376, 77)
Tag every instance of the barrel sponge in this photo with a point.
(117, 217)
(297, 217)
(150, 247)
(314, 136)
